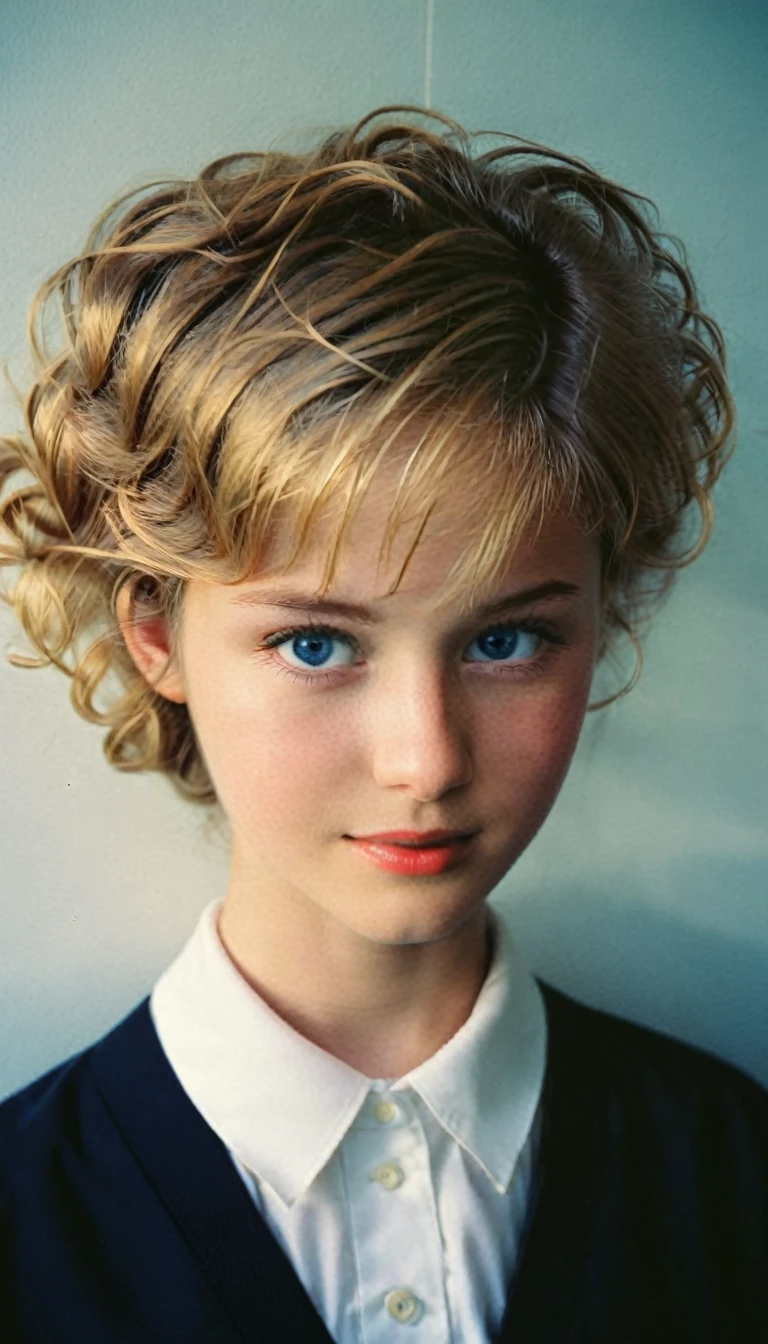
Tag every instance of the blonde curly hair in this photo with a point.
(242, 349)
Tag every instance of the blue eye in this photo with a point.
(311, 644)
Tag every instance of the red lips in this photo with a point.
(414, 837)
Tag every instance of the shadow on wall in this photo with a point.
(677, 970)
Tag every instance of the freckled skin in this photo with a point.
(415, 732)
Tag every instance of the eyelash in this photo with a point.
(532, 625)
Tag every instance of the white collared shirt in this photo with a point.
(396, 1200)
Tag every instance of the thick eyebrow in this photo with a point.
(280, 597)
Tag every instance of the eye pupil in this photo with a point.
(505, 638)
(312, 645)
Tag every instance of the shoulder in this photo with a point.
(637, 1054)
(44, 1101)
(652, 1080)
(631, 1042)
(41, 1128)
(654, 1160)
(47, 1125)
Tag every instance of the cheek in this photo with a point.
(274, 762)
(529, 749)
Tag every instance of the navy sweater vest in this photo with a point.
(123, 1220)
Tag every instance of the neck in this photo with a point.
(382, 1008)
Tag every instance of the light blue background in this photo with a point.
(646, 891)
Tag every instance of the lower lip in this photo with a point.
(424, 862)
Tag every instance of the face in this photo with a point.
(419, 721)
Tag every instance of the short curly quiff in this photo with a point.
(245, 347)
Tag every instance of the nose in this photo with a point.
(421, 736)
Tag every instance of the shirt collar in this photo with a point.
(282, 1104)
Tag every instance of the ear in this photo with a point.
(148, 640)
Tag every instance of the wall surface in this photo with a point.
(646, 891)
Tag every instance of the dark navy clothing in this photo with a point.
(123, 1218)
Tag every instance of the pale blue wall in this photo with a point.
(646, 891)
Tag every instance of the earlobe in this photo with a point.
(147, 639)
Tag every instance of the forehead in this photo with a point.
(438, 513)
(556, 547)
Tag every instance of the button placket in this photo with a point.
(387, 1153)
(389, 1174)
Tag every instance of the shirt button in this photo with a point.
(402, 1305)
(384, 1111)
(389, 1174)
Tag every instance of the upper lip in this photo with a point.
(422, 837)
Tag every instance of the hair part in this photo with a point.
(241, 352)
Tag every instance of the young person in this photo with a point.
(353, 465)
